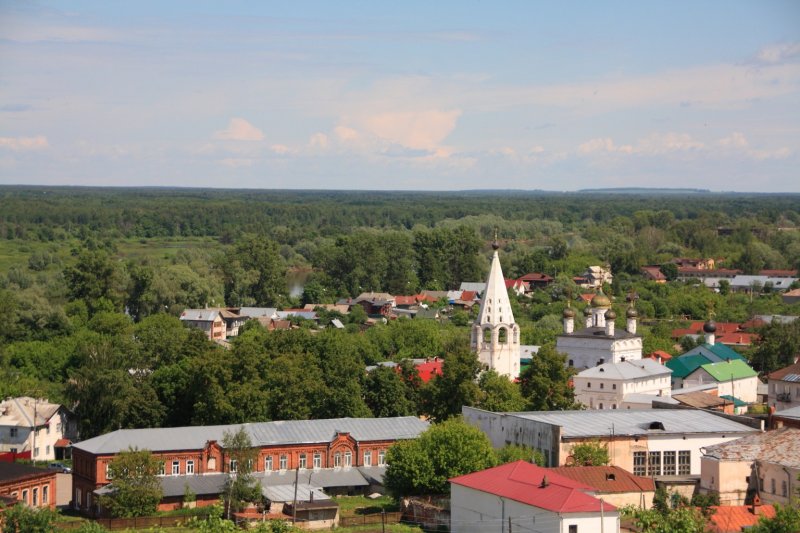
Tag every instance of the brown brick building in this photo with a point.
(35, 487)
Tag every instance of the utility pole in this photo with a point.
(294, 503)
(33, 451)
(509, 524)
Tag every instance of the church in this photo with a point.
(599, 341)
(495, 335)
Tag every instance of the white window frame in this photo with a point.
(268, 463)
(284, 462)
(189, 467)
(368, 458)
(317, 458)
(233, 466)
(381, 457)
(348, 459)
(45, 494)
(162, 468)
(303, 461)
(337, 459)
(175, 468)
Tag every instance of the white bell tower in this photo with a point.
(495, 335)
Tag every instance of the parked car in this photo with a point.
(60, 467)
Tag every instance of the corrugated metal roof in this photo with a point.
(285, 493)
(641, 368)
(322, 477)
(598, 422)
(201, 315)
(607, 479)
(261, 434)
(199, 484)
(729, 370)
(256, 312)
(779, 447)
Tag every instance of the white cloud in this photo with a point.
(421, 130)
(778, 53)
(655, 144)
(240, 130)
(281, 149)
(736, 142)
(236, 162)
(319, 141)
(605, 144)
(19, 144)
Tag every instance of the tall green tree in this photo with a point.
(98, 279)
(444, 396)
(241, 487)
(254, 272)
(545, 382)
(499, 393)
(136, 488)
(385, 393)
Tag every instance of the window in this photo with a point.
(36, 452)
(367, 458)
(784, 489)
(639, 459)
(176, 468)
(190, 467)
(654, 464)
(232, 466)
(761, 484)
(35, 501)
(161, 468)
(573, 529)
(268, 463)
(48, 429)
(108, 470)
(45, 495)
(47, 450)
(25, 494)
(502, 334)
(600, 406)
(602, 385)
(588, 384)
(302, 460)
(684, 463)
(337, 460)
(348, 458)
(772, 486)
(613, 386)
(613, 406)
(317, 460)
(283, 462)
(14, 432)
(381, 458)
(571, 362)
(669, 464)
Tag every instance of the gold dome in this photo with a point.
(601, 300)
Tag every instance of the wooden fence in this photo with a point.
(131, 523)
(373, 518)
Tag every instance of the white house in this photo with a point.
(599, 341)
(596, 276)
(37, 426)
(733, 378)
(495, 335)
(521, 496)
(784, 387)
(608, 385)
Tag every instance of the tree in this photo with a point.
(545, 383)
(136, 489)
(96, 278)
(23, 519)
(591, 453)
(499, 394)
(677, 520)
(778, 346)
(448, 449)
(514, 452)
(253, 272)
(240, 488)
(446, 394)
(670, 271)
(786, 520)
(385, 393)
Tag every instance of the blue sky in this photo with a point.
(402, 95)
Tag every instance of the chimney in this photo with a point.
(545, 483)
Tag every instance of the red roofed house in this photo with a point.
(659, 356)
(528, 497)
(653, 273)
(537, 280)
(519, 287)
(728, 333)
(428, 369)
(615, 485)
(736, 518)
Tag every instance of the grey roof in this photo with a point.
(592, 333)
(472, 286)
(285, 493)
(793, 413)
(638, 397)
(261, 434)
(337, 323)
(776, 319)
(598, 422)
(321, 477)
(256, 312)
(199, 484)
(201, 315)
(743, 280)
(528, 350)
(638, 369)
(308, 315)
(778, 446)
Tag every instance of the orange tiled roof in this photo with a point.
(734, 518)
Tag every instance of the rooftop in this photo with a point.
(18, 471)
(779, 446)
(729, 370)
(736, 518)
(599, 423)
(525, 483)
(594, 333)
(607, 479)
(261, 434)
(20, 411)
(639, 369)
(787, 373)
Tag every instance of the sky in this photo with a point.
(444, 95)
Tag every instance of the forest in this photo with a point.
(92, 282)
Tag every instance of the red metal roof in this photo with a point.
(523, 482)
(428, 369)
(734, 518)
(659, 353)
(776, 273)
(535, 276)
(405, 300)
(62, 443)
(607, 479)
(468, 296)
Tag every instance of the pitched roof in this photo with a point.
(20, 411)
(642, 368)
(201, 315)
(778, 446)
(792, 413)
(523, 482)
(659, 353)
(256, 312)
(607, 479)
(736, 518)
(728, 370)
(686, 364)
(599, 422)
(700, 355)
(261, 434)
(700, 400)
(786, 372)
(17, 471)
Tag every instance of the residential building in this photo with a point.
(495, 335)
(33, 425)
(653, 273)
(376, 303)
(284, 445)
(599, 341)
(615, 485)
(733, 378)
(621, 385)
(597, 276)
(646, 442)
(786, 418)
(35, 487)
(697, 263)
(536, 280)
(784, 387)
(791, 297)
(426, 368)
(737, 518)
(766, 464)
(521, 496)
(709, 352)
(209, 321)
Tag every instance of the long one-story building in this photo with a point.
(646, 442)
(340, 443)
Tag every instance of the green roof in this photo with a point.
(736, 401)
(686, 364)
(728, 370)
(724, 352)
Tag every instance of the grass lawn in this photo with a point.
(358, 505)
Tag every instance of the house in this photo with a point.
(687, 273)
(599, 341)
(209, 321)
(621, 385)
(653, 273)
(36, 428)
(527, 497)
(376, 303)
(34, 487)
(697, 263)
(233, 321)
(778, 273)
(536, 280)
(596, 277)
(727, 333)
(341, 309)
(791, 297)
(283, 445)
(426, 368)
(472, 286)
(786, 418)
(709, 352)
(737, 518)
(612, 483)
(766, 464)
(733, 378)
(646, 442)
(258, 312)
(520, 288)
(784, 387)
